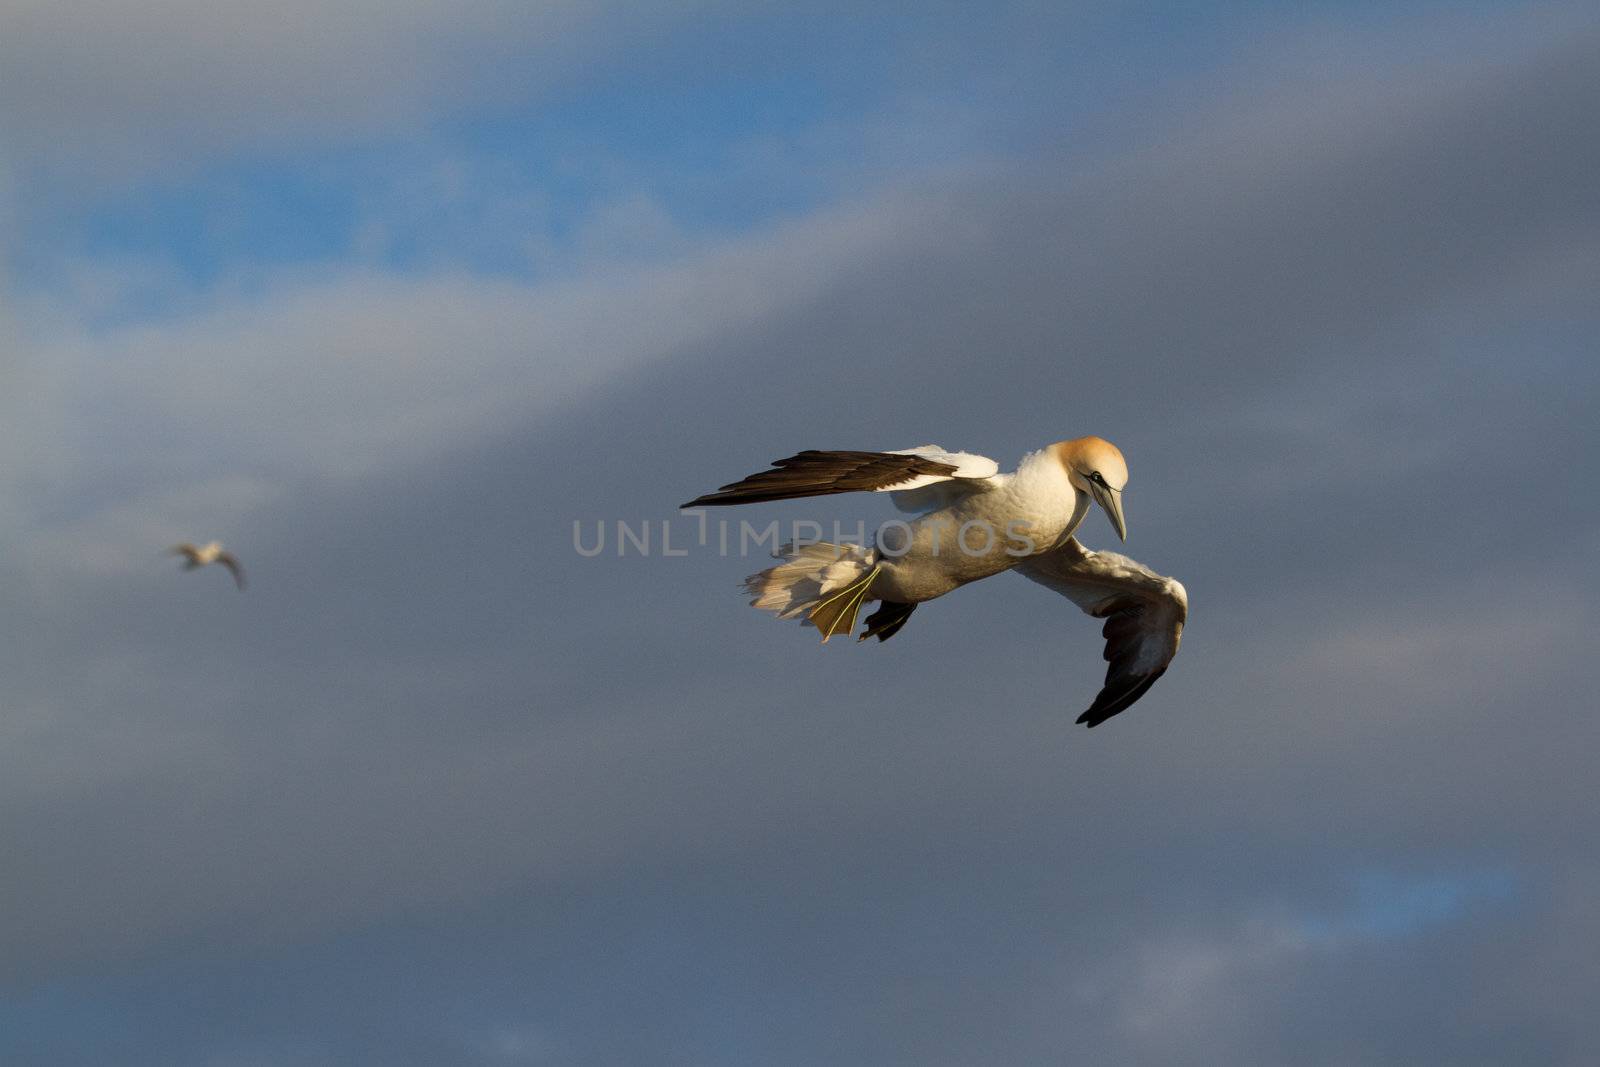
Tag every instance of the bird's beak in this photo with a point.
(1111, 501)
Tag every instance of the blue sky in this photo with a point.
(387, 296)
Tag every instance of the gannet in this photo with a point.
(972, 521)
(211, 552)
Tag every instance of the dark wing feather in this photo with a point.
(814, 473)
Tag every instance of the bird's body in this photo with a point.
(972, 522)
(196, 556)
(980, 533)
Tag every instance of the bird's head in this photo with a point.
(1095, 466)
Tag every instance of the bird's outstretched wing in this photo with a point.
(1144, 614)
(186, 550)
(814, 473)
(228, 560)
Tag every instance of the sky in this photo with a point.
(398, 299)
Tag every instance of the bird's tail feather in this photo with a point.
(824, 582)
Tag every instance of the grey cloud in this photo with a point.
(141, 85)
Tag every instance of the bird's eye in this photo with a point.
(1098, 477)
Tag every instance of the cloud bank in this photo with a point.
(598, 812)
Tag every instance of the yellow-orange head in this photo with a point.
(1095, 466)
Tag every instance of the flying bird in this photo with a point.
(211, 552)
(972, 522)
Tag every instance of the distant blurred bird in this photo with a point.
(211, 552)
(973, 522)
